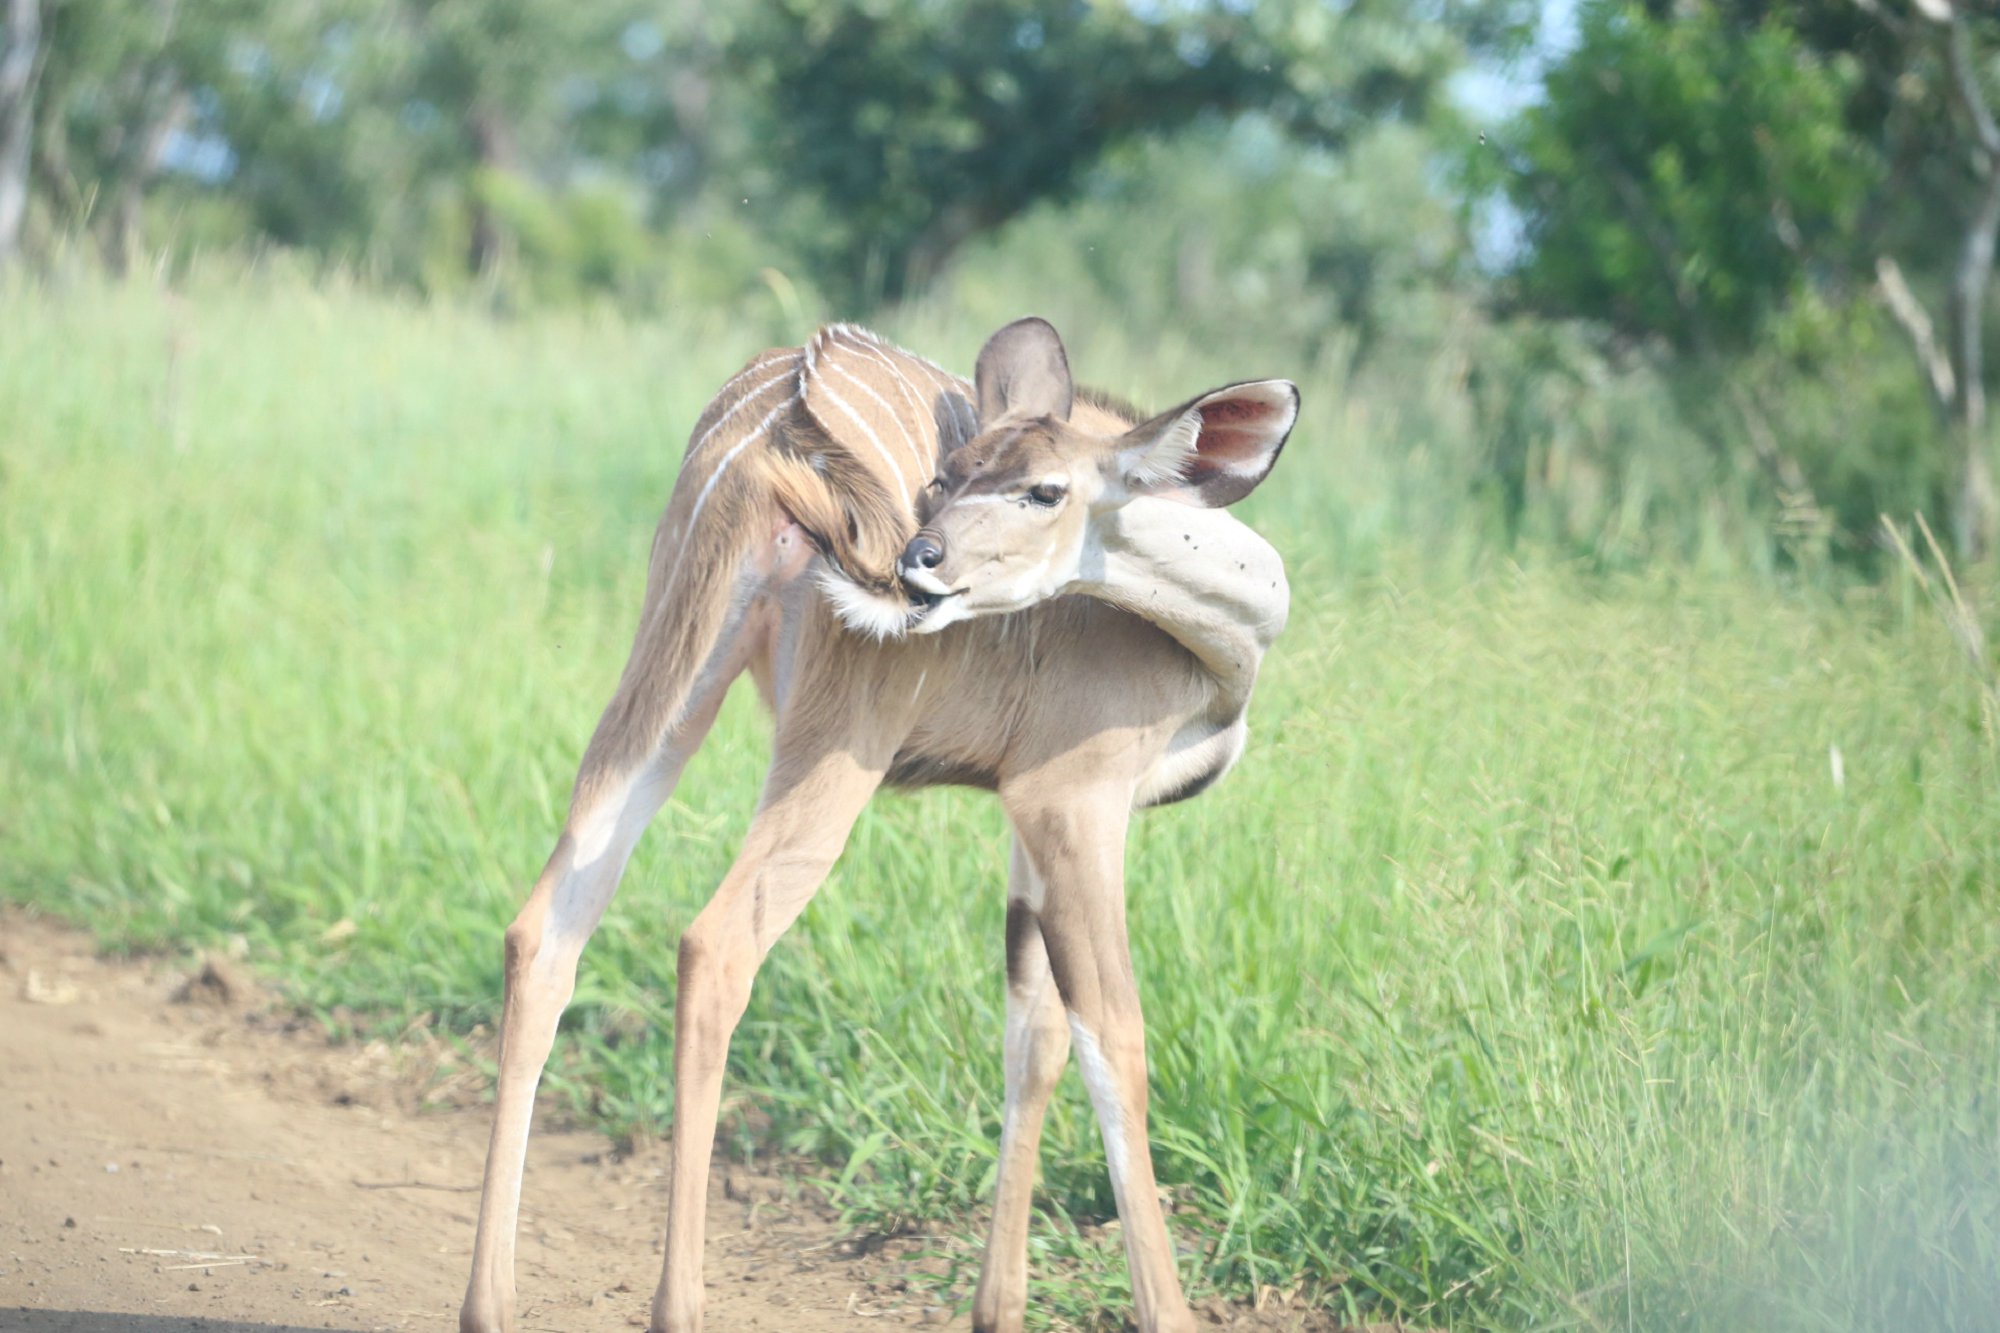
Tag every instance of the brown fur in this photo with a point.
(1073, 710)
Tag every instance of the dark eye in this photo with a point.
(1048, 495)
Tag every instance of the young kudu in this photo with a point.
(840, 505)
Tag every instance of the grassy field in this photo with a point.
(1564, 977)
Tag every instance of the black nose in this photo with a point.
(923, 552)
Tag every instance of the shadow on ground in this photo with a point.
(100, 1321)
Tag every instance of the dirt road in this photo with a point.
(180, 1165)
(178, 1156)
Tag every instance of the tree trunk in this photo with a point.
(20, 51)
(167, 108)
(493, 149)
(1975, 513)
(159, 106)
(1956, 373)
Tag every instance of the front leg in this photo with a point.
(1077, 842)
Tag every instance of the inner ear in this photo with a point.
(1023, 372)
(1215, 449)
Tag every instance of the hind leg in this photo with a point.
(1078, 846)
(611, 808)
(1037, 1049)
(832, 749)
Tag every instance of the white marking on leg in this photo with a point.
(1112, 1119)
(1020, 1016)
(602, 841)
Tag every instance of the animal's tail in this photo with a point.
(725, 506)
(756, 463)
(761, 459)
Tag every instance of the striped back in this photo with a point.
(845, 432)
(901, 412)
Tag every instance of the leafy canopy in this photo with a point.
(1685, 176)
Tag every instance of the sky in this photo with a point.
(1491, 92)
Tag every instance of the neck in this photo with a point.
(1209, 582)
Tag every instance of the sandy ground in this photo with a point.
(177, 1155)
(182, 1164)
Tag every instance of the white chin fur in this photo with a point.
(862, 610)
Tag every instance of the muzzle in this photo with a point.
(923, 554)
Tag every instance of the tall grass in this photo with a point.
(1536, 968)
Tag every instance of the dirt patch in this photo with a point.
(175, 1156)
(173, 1165)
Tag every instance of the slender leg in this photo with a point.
(1037, 1049)
(608, 813)
(1079, 849)
(830, 756)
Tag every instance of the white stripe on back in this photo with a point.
(883, 403)
(873, 350)
(880, 448)
(730, 457)
(734, 408)
(958, 393)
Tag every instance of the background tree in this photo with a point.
(1940, 48)
(1686, 183)
(20, 65)
(914, 127)
(1716, 178)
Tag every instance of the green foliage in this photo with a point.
(1844, 403)
(916, 126)
(1712, 185)
(1896, 109)
(864, 142)
(1685, 179)
(1350, 269)
(1532, 970)
(1288, 253)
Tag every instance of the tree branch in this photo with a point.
(1893, 22)
(20, 63)
(1965, 88)
(1916, 322)
(1659, 238)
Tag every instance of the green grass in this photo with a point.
(1531, 970)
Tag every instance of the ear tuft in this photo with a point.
(1214, 450)
(1023, 371)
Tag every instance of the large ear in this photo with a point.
(1212, 451)
(1023, 371)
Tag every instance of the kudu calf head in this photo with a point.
(1012, 516)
